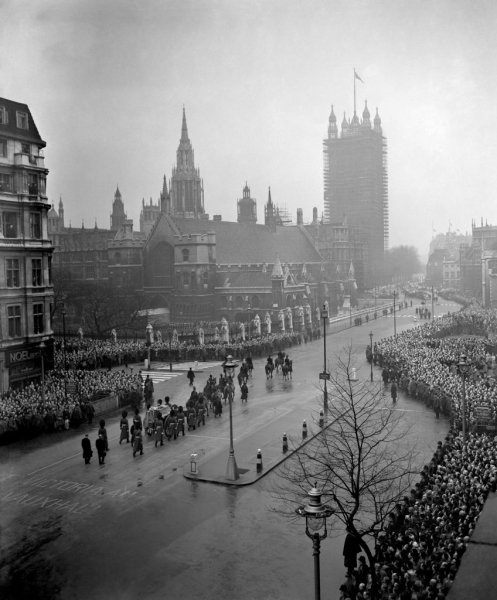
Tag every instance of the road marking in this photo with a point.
(208, 437)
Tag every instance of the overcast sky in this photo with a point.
(106, 82)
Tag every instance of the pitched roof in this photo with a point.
(243, 243)
(10, 128)
(244, 279)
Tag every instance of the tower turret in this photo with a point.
(247, 207)
(332, 127)
(366, 121)
(118, 215)
(377, 122)
(186, 189)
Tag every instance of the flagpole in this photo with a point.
(354, 91)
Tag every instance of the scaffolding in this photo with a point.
(356, 187)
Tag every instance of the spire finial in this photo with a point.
(184, 128)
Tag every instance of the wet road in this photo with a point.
(136, 528)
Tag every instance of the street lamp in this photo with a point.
(324, 316)
(394, 317)
(315, 515)
(64, 334)
(463, 368)
(170, 335)
(231, 468)
(149, 332)
(371, 346)
(42, 355)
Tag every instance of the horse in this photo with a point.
(269, 368)
(286, 369)
(242, 375)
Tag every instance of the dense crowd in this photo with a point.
(30, 410)
(425, 363)
(89, 375)
(89, 353)
(418, 554)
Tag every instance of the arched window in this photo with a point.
(239, 302)
(256, 302)
(186, 254)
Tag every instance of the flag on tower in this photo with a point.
(357, 77)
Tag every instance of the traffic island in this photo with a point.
(213, 468)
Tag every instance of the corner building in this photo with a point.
(26, 291)
(356, 188)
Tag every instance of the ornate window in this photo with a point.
(38, 318)
(186, 254)
(36, 272)
(13, 272)
(10, 224)
(35, 225)
(22, 120)
(14, 320)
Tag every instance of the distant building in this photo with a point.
(356, 188)
(26, 291)
(81, 253)
(193, 268)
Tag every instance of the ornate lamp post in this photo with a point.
(371, 346)
(315, 514)
(324, 316)
(170, 336)
(394, 317)
(463, 368)
(231, 468)
(149, 332)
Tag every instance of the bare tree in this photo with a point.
(362, 460)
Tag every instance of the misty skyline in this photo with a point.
(106, 84)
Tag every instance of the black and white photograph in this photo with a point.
(248, 300)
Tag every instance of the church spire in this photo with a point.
(184, 128)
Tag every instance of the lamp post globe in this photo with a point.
(231, 468)
(315, 513)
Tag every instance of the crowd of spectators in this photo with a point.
(425, 362)
(85, 368)
(418, 554)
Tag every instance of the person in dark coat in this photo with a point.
(87, 451)
(351, 549)
(100, 445)
(190, 375)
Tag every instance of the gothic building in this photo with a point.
(81, 253)
(356, 188)
(192, 268)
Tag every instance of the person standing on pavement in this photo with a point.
(100, 445)
(103, 432)
(87, 451)
(393, 392)
(190, 375)
(244, 392)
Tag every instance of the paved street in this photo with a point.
(136, 528)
